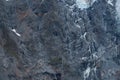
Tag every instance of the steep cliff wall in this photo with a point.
(59, 40)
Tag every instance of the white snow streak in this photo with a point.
(16, 32)
(95, 69)
(84, 35)
(94, 56)
(86, 73)
(78, 26)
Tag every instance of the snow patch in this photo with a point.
(118, 8)
(71, 7)
(83, 4)
(84, 58)
(16, 32)
(95, 69)
(95, 56)
(86, 73)
(78, 26)
(110, 2)
(78, 20)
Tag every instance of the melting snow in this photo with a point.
(110, 2)
(83, 4)
(16, 32)
(87, 73)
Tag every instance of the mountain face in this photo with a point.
(59, 40)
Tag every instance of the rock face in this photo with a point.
(59, 40)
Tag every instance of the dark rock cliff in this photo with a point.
(59, 40)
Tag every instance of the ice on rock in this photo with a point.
(16, 32)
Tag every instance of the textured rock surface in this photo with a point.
(59, 40)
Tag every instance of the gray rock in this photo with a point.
(59, 40)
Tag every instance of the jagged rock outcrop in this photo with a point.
(59, 40)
